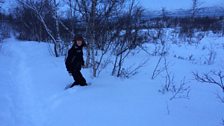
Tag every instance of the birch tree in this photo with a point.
(129, 38)
(195, 8)
(37, 8)
(102, 27)
(97, 16)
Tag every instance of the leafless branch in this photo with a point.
(213, 77)
(221, 98)
(129, 72)
(157, 71)
(182, 91)
(178, 91)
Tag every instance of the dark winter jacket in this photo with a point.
(74, 59)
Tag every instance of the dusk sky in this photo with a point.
(177, 4)
(152, 4)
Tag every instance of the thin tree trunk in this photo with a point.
(58, 44)
(49, 32)
(92, 42)
(119, 65)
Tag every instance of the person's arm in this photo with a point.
(68, 61)
(82, 60)
(83, 63)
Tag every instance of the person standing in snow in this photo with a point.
(74, 61)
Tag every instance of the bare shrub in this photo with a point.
(210, 59)
(131, 71)
(221, 97)
(177, 91)
(212, 78)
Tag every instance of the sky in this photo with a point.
(177, 4)
(152, 4)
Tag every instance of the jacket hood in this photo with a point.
(79, 37)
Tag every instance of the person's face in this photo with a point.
(79, 43)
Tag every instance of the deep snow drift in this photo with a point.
(32, 90)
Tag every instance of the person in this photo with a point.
(74, 61)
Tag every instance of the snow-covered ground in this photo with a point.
(32, 90)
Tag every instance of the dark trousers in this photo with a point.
(79, 79)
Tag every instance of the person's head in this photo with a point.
(79, 41)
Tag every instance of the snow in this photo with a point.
(32, 84)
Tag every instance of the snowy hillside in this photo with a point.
(32, 90)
